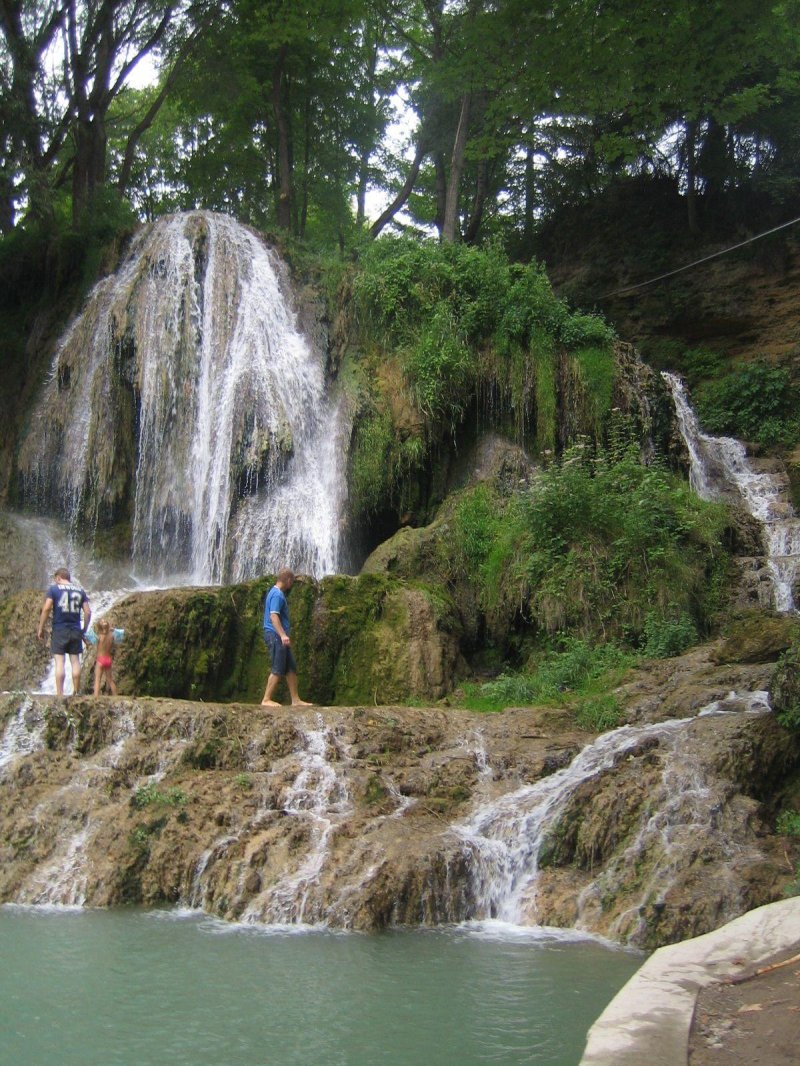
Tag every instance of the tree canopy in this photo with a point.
(282, 111)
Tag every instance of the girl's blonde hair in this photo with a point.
(103, 625)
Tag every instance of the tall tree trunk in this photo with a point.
(403, 195)
(450, 221)
(530, 195)
(441, 191)
(478, 202)
(284, 157)
(6, 203)
(89, 167)
(691, 175)
(363, 181)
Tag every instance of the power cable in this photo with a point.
(705, 259)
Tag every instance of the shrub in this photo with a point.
(665, 637)
(575, 667)
(755, 401)
(593, 548)
(585, 331)
(466, 323)
(599, 713)
(151, 796)
(788, 823)
(785, 688)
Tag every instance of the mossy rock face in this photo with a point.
(356, 640)
(784, 688)
(23, 659)
(180, 642)
(756, 637)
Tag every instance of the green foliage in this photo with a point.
(448, 329)
(467, 325)
(785, 688)
(546, 398)
(698, 364)
(755, 402)
(439, 365)
(577, 667)
(595, 547)
(585, 331)
(665, 637)
(599, 713)
(788, 823)
(150, 795)
(369, 458)
(596, 367)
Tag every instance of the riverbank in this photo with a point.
(651, 1019)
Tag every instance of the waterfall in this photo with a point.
(186, 396)
(63, 879)
(316, 799)
(503, 839)
(721, 469)
(23, 734)
(319, 797)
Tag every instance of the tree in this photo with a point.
(64, 65)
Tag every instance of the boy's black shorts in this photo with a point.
(66, 641)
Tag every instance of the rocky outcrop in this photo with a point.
(363, 817)
(371, 639)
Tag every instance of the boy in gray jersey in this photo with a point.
(68, 603)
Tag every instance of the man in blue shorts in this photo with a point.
(67, 602)
(276, 636)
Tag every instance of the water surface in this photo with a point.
(98, 988)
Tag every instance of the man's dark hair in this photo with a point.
(62, 572)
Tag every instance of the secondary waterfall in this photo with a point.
(504, 838)
(721, 469)
(186, 400)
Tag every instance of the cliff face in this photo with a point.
(364, 817)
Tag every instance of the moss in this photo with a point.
(546, 394)
(350, 637)
(596, 369)
(375, 791)
(756, 637)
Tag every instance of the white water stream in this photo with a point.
(720, 468)
(238, 447)
(317, 799)
(503, 839)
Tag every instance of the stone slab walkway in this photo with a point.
(649, 1020)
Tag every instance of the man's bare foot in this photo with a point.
(301, 703)
(270, 703)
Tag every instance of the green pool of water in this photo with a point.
(97, 988)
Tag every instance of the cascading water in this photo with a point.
(187, 375)
(316, 798)
(720, 469)
(504, 838)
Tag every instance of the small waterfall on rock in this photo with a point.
(504, 839)
(62, 880)
(186, 397)
(686, 809)
(318, 798)
(312, 793)
(23, 734)
(721, 469)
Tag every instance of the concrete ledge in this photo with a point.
(649, 1019)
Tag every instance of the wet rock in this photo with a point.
(756, 637)
(356, 816)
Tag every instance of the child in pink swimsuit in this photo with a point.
(105, 652)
